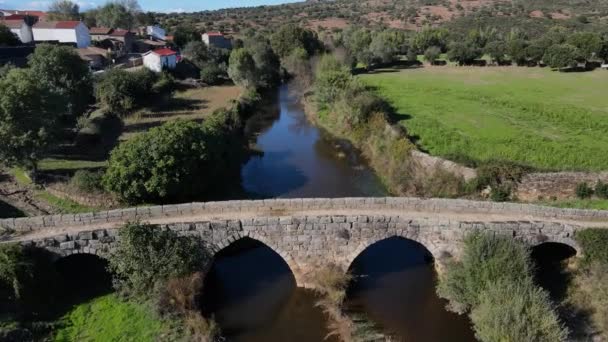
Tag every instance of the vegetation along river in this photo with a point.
(250, 288)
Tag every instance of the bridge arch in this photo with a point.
(370, 244)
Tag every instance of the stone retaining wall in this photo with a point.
(279, 206)
(556, 185)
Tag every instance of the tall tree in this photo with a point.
(242, 68)
(118, 14)
(64, 10)
(290, 37)
(28, 115)
(60, 69)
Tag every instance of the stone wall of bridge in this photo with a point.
(275, 207)
(309, 242)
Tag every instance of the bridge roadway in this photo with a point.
(312, 233)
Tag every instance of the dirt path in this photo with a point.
(22, 197)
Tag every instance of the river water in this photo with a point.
(250, 289)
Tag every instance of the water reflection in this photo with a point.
(395, 286)
(297, 161)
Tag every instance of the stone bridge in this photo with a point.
(311, 233)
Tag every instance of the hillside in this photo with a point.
(400, 14)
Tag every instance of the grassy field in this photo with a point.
(549, 120)
(108, 318)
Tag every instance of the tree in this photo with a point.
(63, 71)
(385, 46)
(290, 37)
(562, 56)
(64, 10)
(29, 111)
(589, 44)
(175, 161)
(242, 69)
(431, 54)
(212, 62)
(463, 52)
(7, 38)
(115, 15)
(267, 63)
(496, 50)
(184, 34)
(428, 37)
(357, 42)
(517, 51)
(121, 91)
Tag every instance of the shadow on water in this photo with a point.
(551, 268)
(394, 285)
(252, 294)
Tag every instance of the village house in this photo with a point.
(96, 58)
(72, 32)
(12, 14)
(217, 39)
(160, 59)
(119, 41)
(20, 28)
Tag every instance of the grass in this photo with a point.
(108, 318)
(64, 206)
(189, 104)
(596, 204)
(50, 164)
(549, 120)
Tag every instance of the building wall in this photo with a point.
(156, 32)
(24, 33)
(152, 62)
(83, 38)
(79, 36)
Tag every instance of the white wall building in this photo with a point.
(156, 32)
(217, 39)
(63, 31)
(21, 29)
(160, 59)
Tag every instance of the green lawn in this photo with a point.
(108, 318)
(546, 119)
(596, 204)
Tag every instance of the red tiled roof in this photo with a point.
(57, 24)
(15, 17)
(100, 30)
(119, 33)
(214, 34)
(14, 24)
(164, 52)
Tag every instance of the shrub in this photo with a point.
(594, 242)
(432, 53)
(147, 255)
(121, 91)
(500, 193)
(177, 160)
(601, 190)
(87, 181)
(494, 173)
(562, 56)
(583, 190)
(486, 259)
(590, 294)
(516, 311)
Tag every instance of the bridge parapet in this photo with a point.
(277, 207)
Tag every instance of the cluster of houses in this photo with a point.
(99, 46)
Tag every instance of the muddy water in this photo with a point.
(251, 290)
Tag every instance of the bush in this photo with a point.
(87, 181)
(176, 161)
(583, 190)
(590, 295)
(147, 255)
(121, 91)
(487, 259)
(516, 311)
(594, 242)
(500, 193)
(432, 53)
(562, 56)
(601, 190)
(495, 173)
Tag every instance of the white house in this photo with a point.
(74, 32)
(605, 66)
(21, 29)
(156, 32)
(217, 39)
(160, 59)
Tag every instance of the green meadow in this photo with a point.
(533, 116)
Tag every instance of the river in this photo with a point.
(250, 289)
